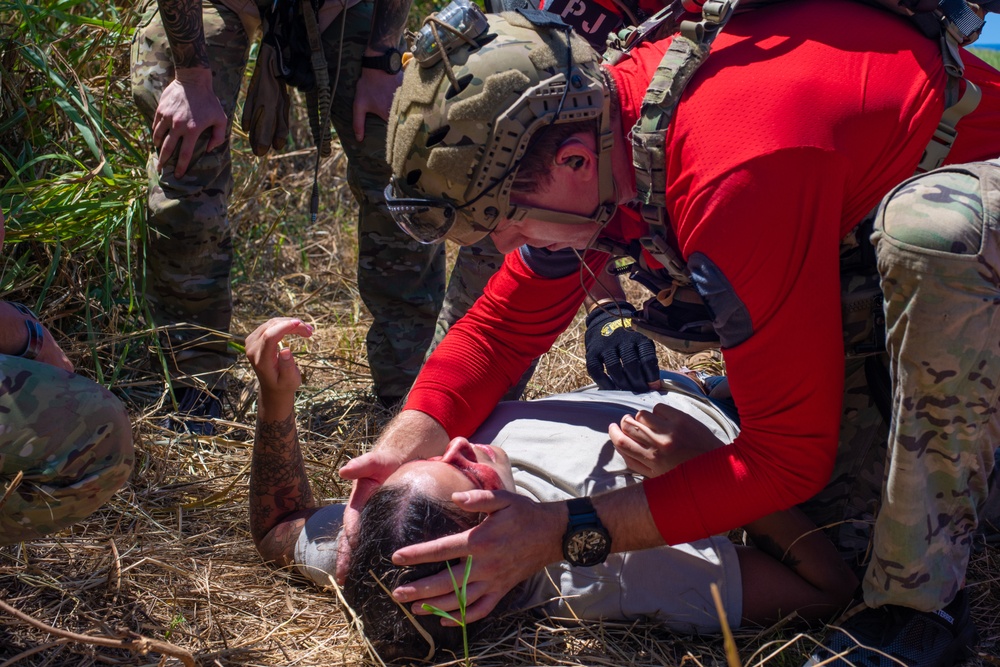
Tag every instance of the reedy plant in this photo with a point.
(72, 181)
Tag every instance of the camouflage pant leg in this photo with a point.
(189, 248)
(70, 438)
(474, 266)
(937, 239)
(400, 280)
(846, 508)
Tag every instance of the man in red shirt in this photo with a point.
(804, 117)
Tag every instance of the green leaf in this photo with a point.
(439, 612)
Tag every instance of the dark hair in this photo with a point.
(535, 170)
(395, 517)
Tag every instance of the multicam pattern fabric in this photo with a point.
(189, 252)
(189, 247)
(71, 440)
(454, 144)
(937, 240)
(474, 266)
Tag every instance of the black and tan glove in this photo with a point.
(617, 356)
(265, 112)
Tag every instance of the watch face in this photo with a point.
(395, 61)
(587, 547)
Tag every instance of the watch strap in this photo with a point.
(581, 512)
(383, 62)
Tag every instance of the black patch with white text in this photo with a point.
(589, 19)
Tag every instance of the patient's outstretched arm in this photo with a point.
(280, 497)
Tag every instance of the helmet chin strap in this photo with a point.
(607, 190)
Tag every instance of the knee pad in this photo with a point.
(941, 210)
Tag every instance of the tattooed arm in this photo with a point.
(185, 31)
(388, 20)
(188, 106)
(280, 497)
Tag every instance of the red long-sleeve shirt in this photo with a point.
(803, 117)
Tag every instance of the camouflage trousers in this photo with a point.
(69, 438)
(189, 247)
(474, 266)
(917, 486)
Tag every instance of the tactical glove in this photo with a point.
(617, 357)
(265, 112)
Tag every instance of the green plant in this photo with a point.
(175, 622)
(991, 56)
(461, 594)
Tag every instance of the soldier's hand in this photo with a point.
(275, 368)
(52, 354)
(617, 357)
(187, 109)
(373, 96)
(412, 434)
(14, 337)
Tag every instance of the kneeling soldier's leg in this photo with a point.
(938, 247)
(70, 439)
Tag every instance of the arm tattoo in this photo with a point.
(387, 24)
(278, 481)
(185, 30)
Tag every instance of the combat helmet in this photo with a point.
(462, 119)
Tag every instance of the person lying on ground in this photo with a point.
(65, 442)
(549, 449)
(803, 118)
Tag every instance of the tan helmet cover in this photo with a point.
(452, 144)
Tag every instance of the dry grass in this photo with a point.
(171, 557)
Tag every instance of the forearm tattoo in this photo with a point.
(185, 30)
(387, 23)
(278, 482)
(772, 548)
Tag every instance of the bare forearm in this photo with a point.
(13, 335)
(794, 541)
(413, 434)
(182, 21)
(387, 24)
(625, 513)
(279, 487)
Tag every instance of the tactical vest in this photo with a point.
(676, 316)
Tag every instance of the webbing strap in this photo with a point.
(686, 53)
(957, 107)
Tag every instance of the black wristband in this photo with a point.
(389, 62)
(611, 310)
(36, 334)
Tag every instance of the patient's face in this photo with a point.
(464, 467)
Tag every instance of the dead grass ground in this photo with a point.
(171, 557)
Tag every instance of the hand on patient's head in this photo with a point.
(396, 516)
(271, 361)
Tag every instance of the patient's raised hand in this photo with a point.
(271, 361)
(653, 443)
